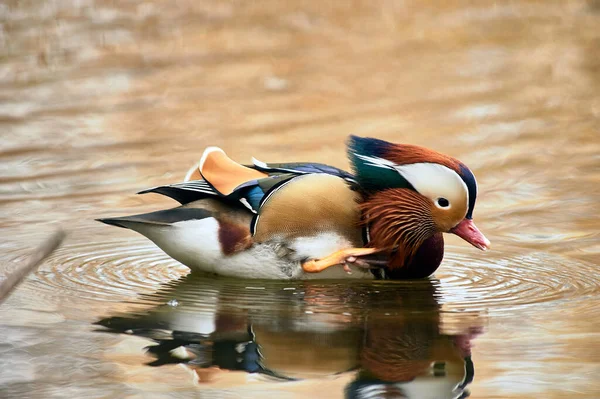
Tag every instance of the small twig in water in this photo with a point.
(15, 278)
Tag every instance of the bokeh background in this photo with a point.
(100, 99)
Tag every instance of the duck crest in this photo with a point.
(373, 162)
(368, 160)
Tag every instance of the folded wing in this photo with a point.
(218, 176)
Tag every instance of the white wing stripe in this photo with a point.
(183, 185)
(193, 182)
(274, 190)
(202, 191)
(258, 163)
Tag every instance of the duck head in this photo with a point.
(412, 194)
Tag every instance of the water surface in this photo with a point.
(102, 99)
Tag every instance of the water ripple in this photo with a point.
(108, 271)
(114, 271)
(514, 281)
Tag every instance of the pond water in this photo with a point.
(100, 99)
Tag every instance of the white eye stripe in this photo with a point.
(376, 161)
(434, 180)
(429, 179)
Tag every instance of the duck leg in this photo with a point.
(344, 256)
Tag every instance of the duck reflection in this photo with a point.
(388, 339)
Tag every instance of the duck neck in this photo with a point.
(425, 261)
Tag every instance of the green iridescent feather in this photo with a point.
(372, 177)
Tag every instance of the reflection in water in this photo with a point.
(103, 98)
(388, 336)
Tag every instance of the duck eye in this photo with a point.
(443, 202)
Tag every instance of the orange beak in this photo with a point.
(471, 234)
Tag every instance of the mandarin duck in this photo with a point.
(297, 220)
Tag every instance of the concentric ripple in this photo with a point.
(108, 271)
(511, 281)
(117, 271)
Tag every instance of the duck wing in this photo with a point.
(218, 176)
(185, 192)
(302, 168)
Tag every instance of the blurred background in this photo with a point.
(100, 99)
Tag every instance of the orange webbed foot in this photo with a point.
(344, 257)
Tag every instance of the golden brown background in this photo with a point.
(100, 99)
